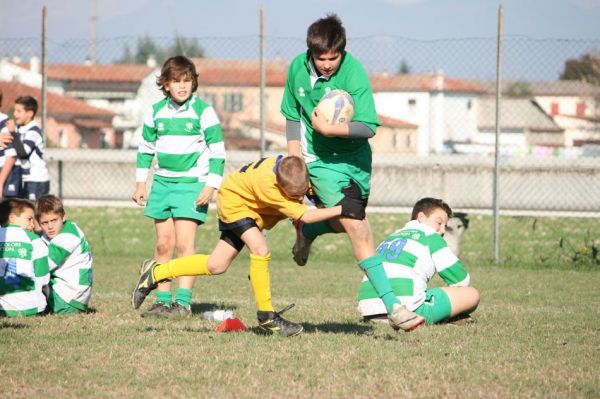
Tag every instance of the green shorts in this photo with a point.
(436, 307)
(329, 175)
(175, 200)
(59, 306)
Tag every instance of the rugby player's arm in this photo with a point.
(319, 214)
(292, 134)
(350, 130)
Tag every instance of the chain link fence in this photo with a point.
(436, 101)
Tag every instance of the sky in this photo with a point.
(440, 22)
(416, 19)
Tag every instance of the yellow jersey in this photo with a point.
(252, 192)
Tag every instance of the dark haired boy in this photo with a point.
(25, 173)
(412, 256)
(336, 154)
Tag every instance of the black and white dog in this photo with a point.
(455, 229)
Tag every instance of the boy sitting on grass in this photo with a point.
(23, 261)
(254, 198)
(412, 256)
(69, 258)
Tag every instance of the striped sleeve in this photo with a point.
(40, 260)
(449, 267)
(146, 148)
(209, 123)
(60, 248)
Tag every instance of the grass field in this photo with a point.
(537, 330)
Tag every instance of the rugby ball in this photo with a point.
(337, 106)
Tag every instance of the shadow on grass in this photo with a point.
(337, 328)
(12, 325)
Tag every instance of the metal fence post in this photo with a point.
(497, 138)
(262, 81)
(44, 72)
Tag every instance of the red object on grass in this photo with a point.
(233, 324)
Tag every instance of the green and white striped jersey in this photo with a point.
(70, 263)
(411, 257)
(187, 142)
(23, 272)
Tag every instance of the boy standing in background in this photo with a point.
(183, 133)
(29, 149)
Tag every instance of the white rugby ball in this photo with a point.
(337, 106)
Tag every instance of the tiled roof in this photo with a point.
(515, 114)
(222, 72)
(427, 83)
(99, 72)
(58, 106)
(386, 121)
(545, 88)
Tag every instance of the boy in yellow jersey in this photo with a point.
(254, 198)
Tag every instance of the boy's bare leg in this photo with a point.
(463, 300)
(165, 246)
(361, 237)
(194, 265)
(185, 237)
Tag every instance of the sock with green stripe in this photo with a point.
(183, 296)
(373, 268)
(164, 297)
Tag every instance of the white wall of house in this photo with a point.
(567, 105)
(413, 107)
(10, 71)
(460, 117)
(577, 129)
(132, 115)
(508, 140)
(440, 115)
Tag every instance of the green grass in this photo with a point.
(536, 333)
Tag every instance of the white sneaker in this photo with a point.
(403, 319)
(301, 248)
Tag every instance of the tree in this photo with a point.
(190, 47)
(147, 47)
(518, 88)
(585, 68)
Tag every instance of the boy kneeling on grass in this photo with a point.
(69, 258)
(23, 261)
(412, 256)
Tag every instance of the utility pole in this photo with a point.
(93, 20)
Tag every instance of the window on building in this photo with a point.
(469, 104)
(412, 106)
(209, 98)
(232, 102)
(408, 140)
(554, 109)
(580, 110)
